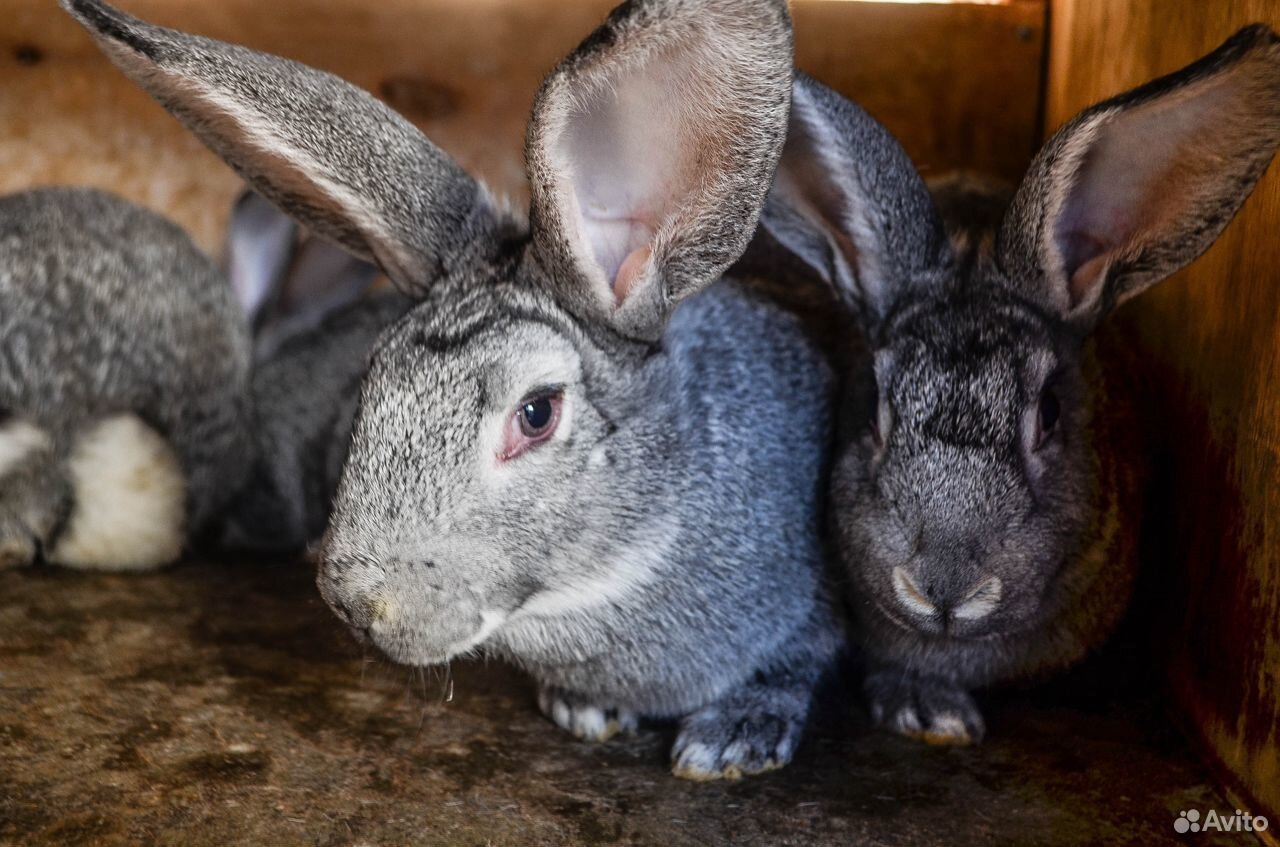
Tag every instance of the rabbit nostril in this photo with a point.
(910, 595)
(981, 600)
(385, 610)
(354, 614)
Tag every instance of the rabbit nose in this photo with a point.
(352, 607)
(976, 602)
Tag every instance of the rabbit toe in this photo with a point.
(717, 744)
(926, 708)
(585, 721)
(17, 552)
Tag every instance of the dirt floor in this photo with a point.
(217, 704)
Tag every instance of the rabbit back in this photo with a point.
(108, 308)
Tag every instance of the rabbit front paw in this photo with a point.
(927, 708)
(585, 721)
(732, 740)
(17, 551)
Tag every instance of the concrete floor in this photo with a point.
(216, 704)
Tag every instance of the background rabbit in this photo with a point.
(315, 321)
(987, 492)
(124, 367)
(552, 462)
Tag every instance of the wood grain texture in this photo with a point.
(958, 84)
(1214, 333)
(465, 71)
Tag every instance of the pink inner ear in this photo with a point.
(1086, 278)
(630, 271)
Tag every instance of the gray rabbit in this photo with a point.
(987, 493)
(124, 368)
(315, 321)
(575, 452)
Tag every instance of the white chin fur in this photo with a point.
(130, 500)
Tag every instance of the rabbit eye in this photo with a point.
(536, 416)
(533, 422)
(1050, 411)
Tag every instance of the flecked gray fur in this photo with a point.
(946, 481)
(108, 308)
(662, 558)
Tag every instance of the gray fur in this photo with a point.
(315, 322)
(659, 554)
(305, 398)
(980, 549)
(107, 308)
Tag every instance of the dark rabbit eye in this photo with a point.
(1050, 411)
(533, 423)
(535, 416)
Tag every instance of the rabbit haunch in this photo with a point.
(127, 494)
(122, 344)
(124, 504)
(20, 439)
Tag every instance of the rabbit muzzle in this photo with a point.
(412, 620)
(957, 608)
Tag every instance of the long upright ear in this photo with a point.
(848, 201)
(650, 152)
(326, 152)
(1133, 189)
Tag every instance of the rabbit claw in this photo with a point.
(741, 737)
(585, 721)
(926, 708)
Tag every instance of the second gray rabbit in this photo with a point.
(987, 494)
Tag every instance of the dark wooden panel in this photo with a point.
(958, 83)
(1214, 333)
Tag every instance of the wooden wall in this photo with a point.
(1214, 333)
(959, 83)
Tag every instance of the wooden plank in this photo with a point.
(958, 84)
(1214, 333)
(466, 70)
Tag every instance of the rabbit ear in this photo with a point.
(328, 153)
(323, 280)
(1133, 189)
(650, 151)
(260, 243)
(848, 201)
